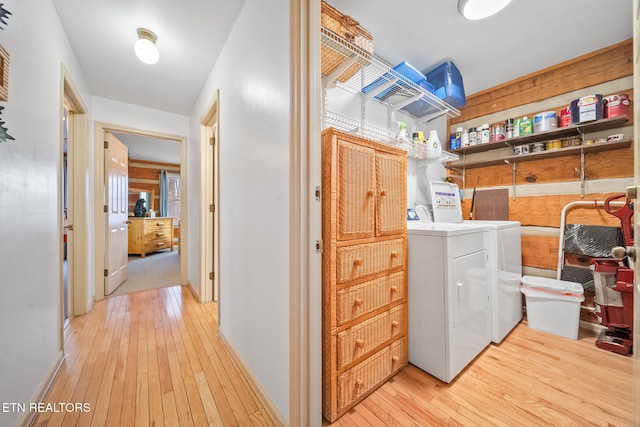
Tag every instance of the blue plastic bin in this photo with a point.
(447, 83)
(403, 68)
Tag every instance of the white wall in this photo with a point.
(137, 117)
(30, 183)
(252, 74)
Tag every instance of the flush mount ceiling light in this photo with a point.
(145, 46)
(480, 9)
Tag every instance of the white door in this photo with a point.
(116, 167)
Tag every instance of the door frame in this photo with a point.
(209, 194)
(77, 169)
(98, 203)
(305, 261)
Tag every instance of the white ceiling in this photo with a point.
(150, 149)
(190, 36)
(525, 37)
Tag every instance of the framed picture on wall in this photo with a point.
(4, 74)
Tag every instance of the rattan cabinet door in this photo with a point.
(356, 191)
(391, 194)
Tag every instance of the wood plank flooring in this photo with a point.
(530, 379)
(153, 358)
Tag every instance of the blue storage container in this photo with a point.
(405, 69)
(447, 83)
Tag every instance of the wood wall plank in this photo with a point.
(603, 65)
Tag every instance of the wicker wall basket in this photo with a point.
(348, 29)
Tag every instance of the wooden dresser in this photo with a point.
(150, 234)
(364, 222)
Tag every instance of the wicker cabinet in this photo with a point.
(364, 268)
(150, 234)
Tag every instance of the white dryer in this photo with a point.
(505, 272)
(449, 307)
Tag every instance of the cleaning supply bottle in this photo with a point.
(433, 144)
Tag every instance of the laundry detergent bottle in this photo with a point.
(433, 144)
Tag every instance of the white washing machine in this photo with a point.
(449, 306)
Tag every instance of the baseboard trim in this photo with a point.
(254, 383)
(29, 417)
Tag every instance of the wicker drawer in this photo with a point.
(363, 377)
(368, 296)
(369, 258)
(397, 316)
(398, 354)
(364, 337)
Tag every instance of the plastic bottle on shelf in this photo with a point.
(485, 133)
(433, 144)
(464, 139)
(473, 136)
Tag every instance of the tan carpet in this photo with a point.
(155, 270)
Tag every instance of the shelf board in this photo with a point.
(563, 132)
(567, 151)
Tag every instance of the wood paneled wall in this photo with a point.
(544, 187)
(145, 175)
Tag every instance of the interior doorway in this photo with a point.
(153, 196)
(210, 225)
(100, 242)
(74, 258)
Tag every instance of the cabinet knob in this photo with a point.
(394, 289)
(394, 254)
(383, 192)
(370, 193)
(359, 383)
(159, 233)
(395, 324)
(357, 302)
(357, 261)
(359, 343)
(159, 223)
(395, 359)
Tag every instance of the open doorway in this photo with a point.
(140, 188)
(210, 226)
(154, 212)
(72, 203)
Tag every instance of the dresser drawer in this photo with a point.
(397, 316)
(157, 233)
(363, 377)
(361, 299)
(157, 244)
(151, 225)
(364, 337)
(369, 258)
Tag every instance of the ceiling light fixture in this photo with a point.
(480, 9)
(145, 46)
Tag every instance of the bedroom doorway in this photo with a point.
(151, 153)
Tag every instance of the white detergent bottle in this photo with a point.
(434, 142)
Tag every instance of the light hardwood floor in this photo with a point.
(151, 358)
(154, 358)
(530, 379)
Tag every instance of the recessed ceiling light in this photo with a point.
(480, 9)
(145, 46)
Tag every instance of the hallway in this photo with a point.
(151, 358)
